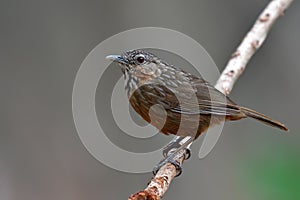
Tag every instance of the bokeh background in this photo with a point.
(42, 44)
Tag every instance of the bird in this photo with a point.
(186, 104)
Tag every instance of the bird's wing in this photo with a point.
(201, 98)
(210, 101)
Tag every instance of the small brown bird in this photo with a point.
(188, 105)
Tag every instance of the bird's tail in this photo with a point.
(263, 118)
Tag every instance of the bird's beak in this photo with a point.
(117, 58)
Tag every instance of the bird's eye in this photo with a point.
(140, 59)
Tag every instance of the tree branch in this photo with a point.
(160, 183)
(250, 44)
(234, 68)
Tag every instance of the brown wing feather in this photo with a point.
(210, 100)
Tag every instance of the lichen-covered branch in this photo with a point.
(250, 44)
(235, 67)
(160, 182)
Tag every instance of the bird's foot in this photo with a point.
(173, 146)
(171, 150)
(169, 159)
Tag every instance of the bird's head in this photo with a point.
(139, 63)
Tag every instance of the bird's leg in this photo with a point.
(182, 143)
(175, 143)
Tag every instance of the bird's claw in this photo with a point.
(168, 160)
(171, 148)
(188, 153)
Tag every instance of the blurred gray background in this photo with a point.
(42, 44)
